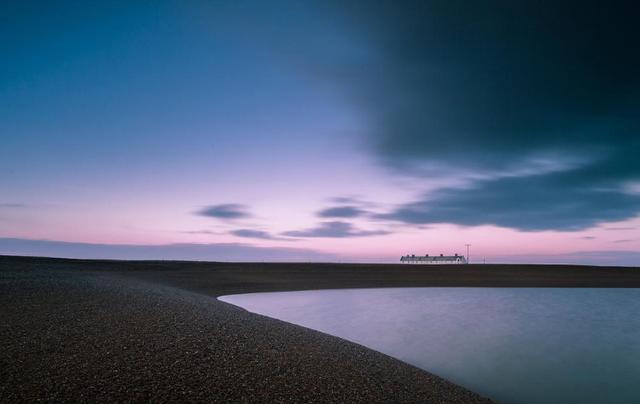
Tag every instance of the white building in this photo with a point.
(435, 259)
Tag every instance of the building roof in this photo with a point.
(431, 257)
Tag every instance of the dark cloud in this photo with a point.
(489, 90)
(342, 212)
(198, 252)
(334, 230)
(623, 241)
(588, 237)
(544, 202)
(225, 211)
(620, 228)
(259, 234)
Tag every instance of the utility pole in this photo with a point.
(468, 245)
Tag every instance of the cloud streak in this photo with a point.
(620, 258)
(345, 211)
(228, 211)
(622, 228)
(529, 204)
(13, 205)
(207, 232)
(199, 252)
(257, 234)
(335, 229)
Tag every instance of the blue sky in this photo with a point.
(357, 130)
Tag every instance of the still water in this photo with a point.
(515, 345)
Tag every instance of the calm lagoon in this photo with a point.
(515, 345)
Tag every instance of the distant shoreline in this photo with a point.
(109, 330)
(222, 278)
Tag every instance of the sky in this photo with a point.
(320, 130)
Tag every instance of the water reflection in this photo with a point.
(519, 345)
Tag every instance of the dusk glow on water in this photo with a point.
(515, 345)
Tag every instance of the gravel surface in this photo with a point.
(69, 333)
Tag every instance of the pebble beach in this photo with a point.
(70, 336)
